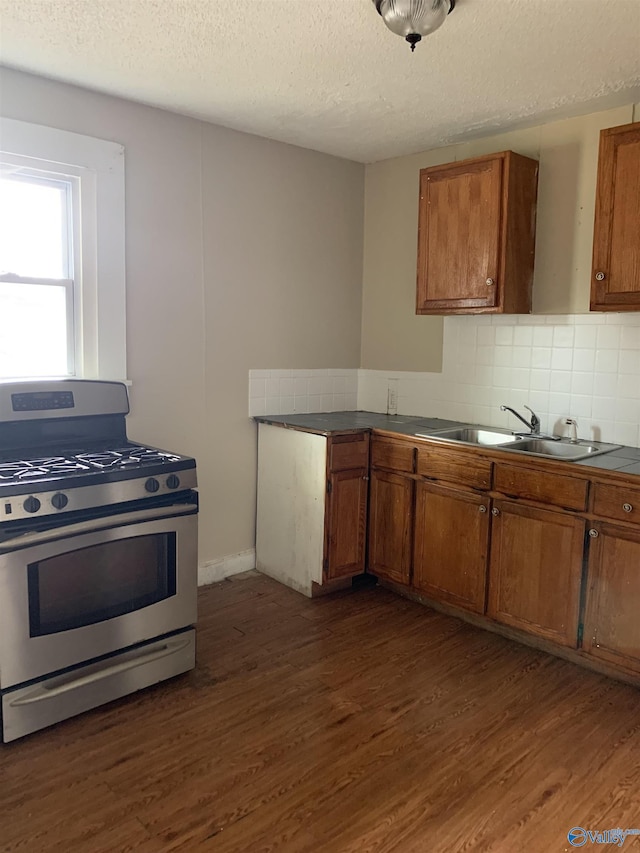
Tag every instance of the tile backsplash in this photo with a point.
(280, 392)
(583, 366)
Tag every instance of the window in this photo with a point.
(37, 275)
(62, 296)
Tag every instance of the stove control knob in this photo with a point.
(31, 504)
(173, 481)
(59, 500)
(152, 485)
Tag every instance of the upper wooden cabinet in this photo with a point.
(476, 236)
(615, 283)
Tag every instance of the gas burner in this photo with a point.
(150, 454)
(11, 470)
(125, 457)
(33, 468)
(104, 459)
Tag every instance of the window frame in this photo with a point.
(95, 168)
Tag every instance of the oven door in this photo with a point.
(83, 590)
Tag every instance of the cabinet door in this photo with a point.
(346, 523)
(451, 543)
(615, 284)
(459, 235)
(390, 526)
(612, 624)
(535, 571)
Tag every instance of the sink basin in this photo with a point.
(471, 435)
(505, 440)
(558, 449)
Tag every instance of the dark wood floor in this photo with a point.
(358, 722)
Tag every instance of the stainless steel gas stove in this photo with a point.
(98, 554)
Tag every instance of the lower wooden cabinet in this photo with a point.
(391, 526)
(451, 542)
(346, 523)
(535, 571)
(612, 622)
(311, 513)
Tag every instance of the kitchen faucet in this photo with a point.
(534, 425)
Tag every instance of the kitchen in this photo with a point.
(243, 307)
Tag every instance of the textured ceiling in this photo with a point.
(327, 74)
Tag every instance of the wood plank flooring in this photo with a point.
(356, 722)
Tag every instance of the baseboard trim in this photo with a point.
(223, 567)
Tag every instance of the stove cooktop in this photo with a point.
(64, 452)
(34, 469)
(63, 482)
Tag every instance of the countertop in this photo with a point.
(330, 423)
(626, 460)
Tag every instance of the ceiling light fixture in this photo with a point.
(413, 19)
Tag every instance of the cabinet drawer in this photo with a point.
(349, 451)
(555, 489)
(619, 502)
(394, 455)
(454, 466)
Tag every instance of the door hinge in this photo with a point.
(325, 564)
(580, 633)
(329, 487)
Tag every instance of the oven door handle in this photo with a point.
(41, 694)
(27, 539)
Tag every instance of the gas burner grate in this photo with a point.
(33, 468)
(126, 457)
(120, 459)
(104, 459)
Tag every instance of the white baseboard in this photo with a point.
(232, 564)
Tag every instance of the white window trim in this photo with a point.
(101, 316)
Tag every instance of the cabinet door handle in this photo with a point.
(627, 507)
(600, 276)
(495, 512)
(482, 508)
(593, 533)
(490, 282)
(365, 477)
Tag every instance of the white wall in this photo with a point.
(240, 253)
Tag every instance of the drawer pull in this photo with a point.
(593, 533)
(627, 507)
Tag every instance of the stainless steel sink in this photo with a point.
(558, 449)
(471, 435)
(505, 440)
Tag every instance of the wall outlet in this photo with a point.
(392, 397)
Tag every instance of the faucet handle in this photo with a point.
(535, 420)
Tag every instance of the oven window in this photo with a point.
(98, 583)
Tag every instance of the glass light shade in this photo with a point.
(409, 17)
